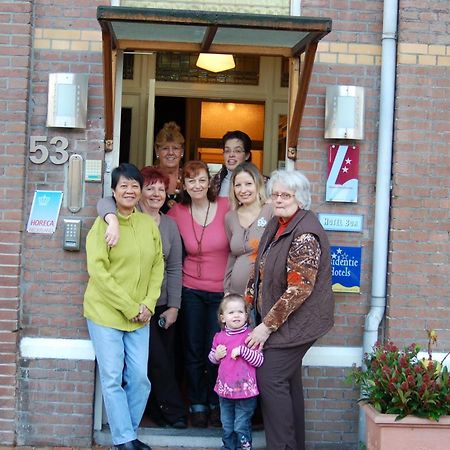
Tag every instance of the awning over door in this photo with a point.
(147, 29)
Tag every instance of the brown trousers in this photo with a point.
(281, 390)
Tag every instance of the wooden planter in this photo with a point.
(410, 433)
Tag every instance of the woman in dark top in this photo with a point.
(291, 291)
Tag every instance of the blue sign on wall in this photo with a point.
(346, 269)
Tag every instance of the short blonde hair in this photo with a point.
(258, 179)
(170, 132)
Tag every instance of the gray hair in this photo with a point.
(293, 180)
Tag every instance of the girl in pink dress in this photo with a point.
(236, 381)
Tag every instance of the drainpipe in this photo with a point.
(383, 183)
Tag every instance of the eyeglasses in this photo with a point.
(236, 151)
(283, 195)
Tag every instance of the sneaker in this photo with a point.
(199, 419)
(214, 418)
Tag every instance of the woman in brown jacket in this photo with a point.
(291, 291)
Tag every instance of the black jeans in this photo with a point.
(200, 323)
(165, 396)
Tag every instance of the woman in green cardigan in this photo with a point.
(124, 285)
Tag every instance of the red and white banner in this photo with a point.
(343, 168)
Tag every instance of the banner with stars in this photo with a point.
(346, 269)
(343, 168)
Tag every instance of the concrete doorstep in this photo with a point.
(170, 438)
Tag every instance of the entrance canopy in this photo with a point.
(146, 29)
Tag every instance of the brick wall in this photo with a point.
(331, 409)
(241, 6)
(54, 280)
(418, 279)
(55, 404)
(56, 395)
(418, 292)
(419, 282)
(15, 48)
(349, 55)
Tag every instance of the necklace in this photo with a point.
(199, 241)
(173, 198)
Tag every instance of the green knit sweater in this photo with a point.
(125, 276)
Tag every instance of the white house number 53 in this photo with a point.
(56, 150)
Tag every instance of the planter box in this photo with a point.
(410, 433)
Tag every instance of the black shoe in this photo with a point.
(138, 445)
(180, 423)
(214, 418)
(160, 422)
(199, 419)
(126, 446)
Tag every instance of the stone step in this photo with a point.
(172, 438)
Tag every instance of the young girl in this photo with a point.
(236, 380)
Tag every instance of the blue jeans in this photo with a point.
(200, 323)
(122, 363)
(236, 416)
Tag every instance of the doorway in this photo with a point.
(154, 102)
(203, 122)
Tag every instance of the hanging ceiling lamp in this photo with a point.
(215, 62)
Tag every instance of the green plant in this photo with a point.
(396, 381)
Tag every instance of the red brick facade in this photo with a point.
(15, 57)
(46, 401)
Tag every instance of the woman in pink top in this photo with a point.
(200, 219)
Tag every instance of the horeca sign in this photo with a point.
(346, 269)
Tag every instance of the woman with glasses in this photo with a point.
(244, 224)
(200, 218)
(290, 289)
(237, 147)
(166, 404)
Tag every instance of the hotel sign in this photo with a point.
(342, 222)
(346, 269)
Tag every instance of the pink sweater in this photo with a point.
(206, 271)
(237, 377)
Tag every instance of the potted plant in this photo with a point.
(402, 391)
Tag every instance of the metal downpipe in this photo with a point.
(383, 183)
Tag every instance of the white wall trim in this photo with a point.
(41, 348)
(81, 349)
(333, 356)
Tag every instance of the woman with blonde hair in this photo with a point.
(169, 149)
(244, 224)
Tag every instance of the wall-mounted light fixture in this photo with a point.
(67, 100)
(344, 112)
(215, 62)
